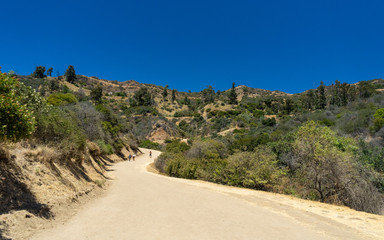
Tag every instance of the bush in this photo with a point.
(59, 99)
(176, 146)
(379, 119)
(16, 121)
(58, 126)
(257, 170)
(207, 149)
(150, 145)
(89, 120)
(105, 148)
(270, 122)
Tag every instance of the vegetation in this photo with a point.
(70, 74)
(16, 119)
(311, 145)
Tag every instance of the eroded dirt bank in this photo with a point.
(39, 187)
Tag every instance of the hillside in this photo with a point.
(325, 144)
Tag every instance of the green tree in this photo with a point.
(39, 72)
(208, 95)
(326, 165)
(165, 93)
(141, 98)
(97, 94)
(321, 102)
(49, 71)
(365, 89)
(70, 74)
(173, 95)
(232, 95)
(16, 120)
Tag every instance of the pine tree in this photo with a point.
(173, 95)
(232, 95)
(208, 94)
(70, 74)
(165, 93)
(321, 98)
(39, 72)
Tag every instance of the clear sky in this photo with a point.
(285, 45)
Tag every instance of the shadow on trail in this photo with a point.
(15, 195)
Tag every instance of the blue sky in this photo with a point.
(276, 45)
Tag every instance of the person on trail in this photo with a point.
(150, 154)
(129, 157)
(133, 157)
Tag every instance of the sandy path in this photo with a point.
(144, 205)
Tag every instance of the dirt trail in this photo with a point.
(144, 205)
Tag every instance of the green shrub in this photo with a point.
(150, 145)
(176, 146)
(379, 118)
(106, 149)
(16, 120)
(59, 99)
(270, 122)
(257, 170)
(58, 126)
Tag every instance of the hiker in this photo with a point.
(129, 157)
(150, 154)
(133, 157)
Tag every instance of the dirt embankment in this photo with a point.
(38, 183)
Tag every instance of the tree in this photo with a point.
(97, 94)
(70, 74)
(173, 95)
(326, 165)
(49, 71)
(233, 95)
(366, 89)
(141, 98)
(39, 72)
(321, 98)
(165, 93)
(208, 94)
(16, 120)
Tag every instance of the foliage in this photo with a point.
(379, 118)
(59, 126)
(176, 146)
(49, 71)
(208, 94)
(97, 94)
(232, 97)
(258, 169)
(16, 120)
(141, 98)
(165, 93)
(39, 72)
(106, 149)
(173, 95)
(326, 166)
(70, 74)
(149, 144)
(59, 99)
(269, 122)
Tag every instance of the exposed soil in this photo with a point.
(39, 187)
